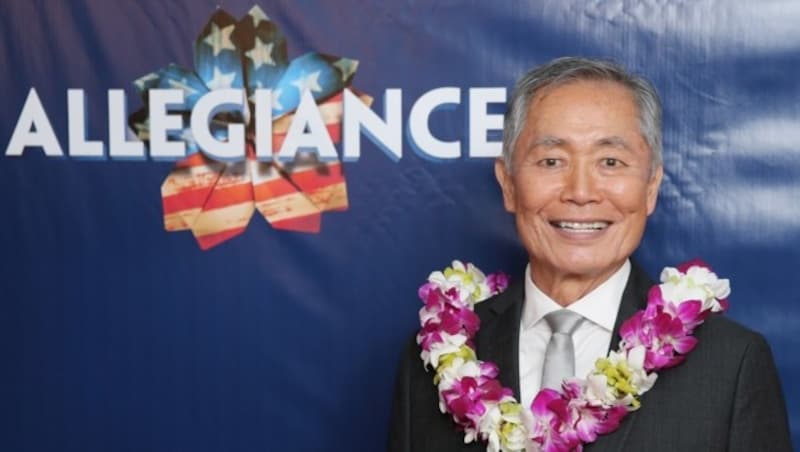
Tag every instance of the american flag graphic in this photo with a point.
(216, 199)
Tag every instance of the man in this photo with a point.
(581, 170)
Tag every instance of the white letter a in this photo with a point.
(33, 129)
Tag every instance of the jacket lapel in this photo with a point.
(498, 338)
(634, 298)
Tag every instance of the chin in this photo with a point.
(584, 266)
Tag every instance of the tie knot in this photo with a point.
(563, 321)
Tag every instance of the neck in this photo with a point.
(565, 288)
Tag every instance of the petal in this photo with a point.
(685, 344)
(696, 262)
(636, 357)
(540, 403)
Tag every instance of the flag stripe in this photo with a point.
(187, 179)
(332, 197)
(185, 200)
(226, 196)
(288, 206)
(223, 219)
(180, 220)
(306, 223)
(211, 240)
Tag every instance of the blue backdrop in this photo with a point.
(118, 336)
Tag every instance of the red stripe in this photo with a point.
(335, 131)
(228, 196)
(307, 223)
(277, 142)
(272, 189)
(211, 240)
(338, 97)
(187, 199)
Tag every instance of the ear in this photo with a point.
(652, 188)
(506, 184)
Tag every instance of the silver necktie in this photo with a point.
(559, 359)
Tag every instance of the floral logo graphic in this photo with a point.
(216, 199)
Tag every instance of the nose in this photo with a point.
(580, 186)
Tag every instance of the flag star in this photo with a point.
(220, 39)
(221, 80)
(145, 79)
(310, 82)
(276, 105)
(258, 16)
(184, 85)
(347, 67)
(261, 54)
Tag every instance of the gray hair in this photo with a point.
(568, 69)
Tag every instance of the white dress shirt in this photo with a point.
(592, 338)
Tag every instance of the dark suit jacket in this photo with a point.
(725, 396)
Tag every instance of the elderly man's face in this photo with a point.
(581, 185)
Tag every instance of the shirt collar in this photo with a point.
(599, 306)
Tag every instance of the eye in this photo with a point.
(549, 163)
(611, 162)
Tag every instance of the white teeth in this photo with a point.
(578, 226)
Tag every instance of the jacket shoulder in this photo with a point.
(719, 331)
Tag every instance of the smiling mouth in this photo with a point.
(580, 226)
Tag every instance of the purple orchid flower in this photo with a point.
(497, 282)
(553, 428)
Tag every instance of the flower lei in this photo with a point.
(655, 338)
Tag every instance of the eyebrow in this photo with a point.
(549, 141)
(612, 141)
